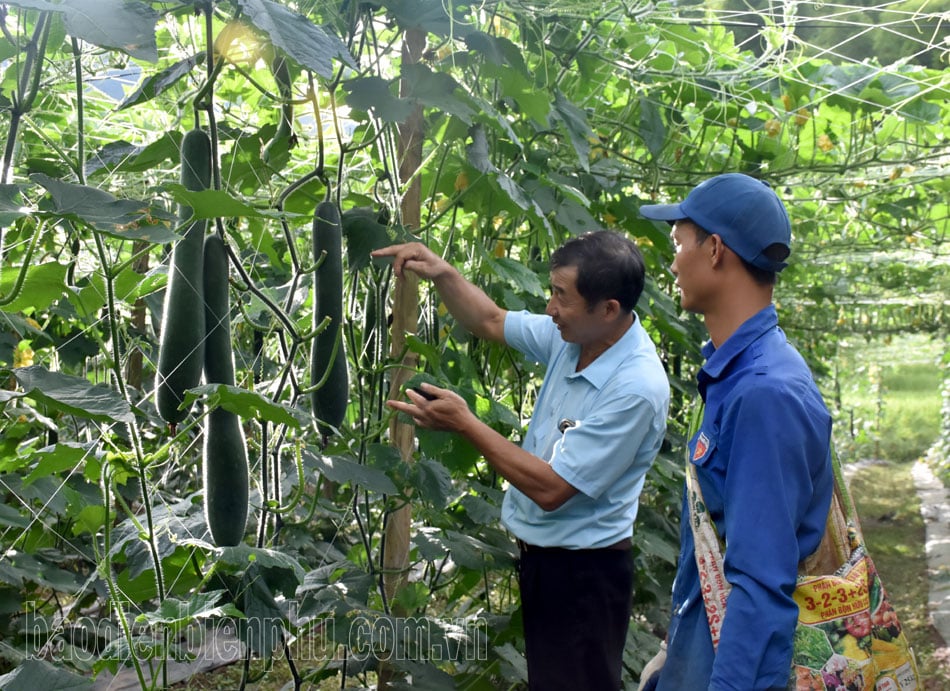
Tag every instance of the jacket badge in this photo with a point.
(702, 446)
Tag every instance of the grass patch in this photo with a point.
(889, 510)
(887, 398)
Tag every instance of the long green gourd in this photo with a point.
(225, 448)
(327, 356)
(180, 345)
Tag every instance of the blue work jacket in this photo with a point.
(763, 459)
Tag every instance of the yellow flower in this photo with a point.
(499, 249)
(802, 116)
(825, 143)
(461, 181)
(773, 127)
(787, 102)
(22, 356)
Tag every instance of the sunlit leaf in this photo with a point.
(11, 204)
(43, 284)
(307, 44)
(57, 458)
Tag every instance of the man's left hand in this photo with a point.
(440, 409)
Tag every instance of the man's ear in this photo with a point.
(716, 249)
(612, 308)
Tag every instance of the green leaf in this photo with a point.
(243, 557)
(479, 157)
(121, 155)
(578, 129)
(57, 458)
(127, 219)
(364, 233)
(497, 49)
(43, 285)
(247, 404)
(344, 471)
(156, 84)
(124, 25)
(177, 614)
(33, 674)
(219, 204)
(429, 15)
(307, 44)
(73, 395)
(532, 101)
(652, 128)
(432, 481)
(11, 205)
(517, 274)
(437, 90)
(373, 95)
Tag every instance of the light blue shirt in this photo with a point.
(613, 415)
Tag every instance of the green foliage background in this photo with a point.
(540, 120)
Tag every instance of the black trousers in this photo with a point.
(576, 608)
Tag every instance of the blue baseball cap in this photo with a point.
(744, 211)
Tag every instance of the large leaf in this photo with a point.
(364, 233)
(218, 204)
(652, 128)
(155, 84)
(128, 219)
(11, 204)
(307, 44)
(373, 95)
(578, 129)
(57, 458)
(497, 49)
(72, 395)
(480, 158)
(177, 614)
(342, 470)
(33, 674)
(437, 90)
(247, 404)
(428, 15)
(517, 274)
(244, 557)
(42, 285)
(125, 25)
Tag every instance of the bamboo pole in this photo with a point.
(395, 557)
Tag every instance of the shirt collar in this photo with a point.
(605, 365)
(717, 359)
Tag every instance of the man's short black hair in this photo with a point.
(609, 267)
(763, 277)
